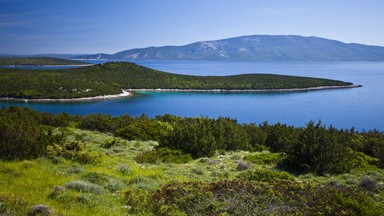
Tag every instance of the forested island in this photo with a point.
(97, 164)
(38, 61)
(111, 78)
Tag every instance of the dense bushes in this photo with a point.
(370, 143)
(280, 137)
(313, 148)
(201, 137)
(319, 150)
(143, 130)
(102, 122)
(97, 122)
(21, 135)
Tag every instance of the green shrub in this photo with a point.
(74, 170)
(110, 143)
(260, 148)
(257, 137)
(75, 151)
(97, 122)
(124, 169)
(22, 136)
(144, 130)
(265, 158)
(202, 137)
(84, 198)
(57, 191)
(204, 160)
(241, 165)
(138, 201)
(368, 183)
(114, 185)
(362, 160)
(370, 143)
(280, 137)
(197, 171)
(163, 155)
(236, 157)
(108, 182)
(84, 186)
(320, 151)
(266, 175)
(96, 178)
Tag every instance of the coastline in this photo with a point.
(128, 92)
(247, 90)
(21, 66)
(82, 99)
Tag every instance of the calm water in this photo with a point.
(361, 108)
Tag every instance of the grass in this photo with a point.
(71, 188)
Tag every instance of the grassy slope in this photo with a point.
(38, 61)
(110, 78)
(27, 183)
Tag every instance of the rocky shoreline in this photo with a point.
(128, 92)
(247, 90)
(82, 99)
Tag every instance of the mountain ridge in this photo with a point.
(254, 48)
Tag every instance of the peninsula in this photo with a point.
(38, 61)
(111, 78)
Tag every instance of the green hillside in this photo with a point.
(110, 78)
(38, 61)
(103, 165)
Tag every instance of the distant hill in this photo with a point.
(255, 48)
(38, 61)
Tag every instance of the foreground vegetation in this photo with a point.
(104, 165)
(37, 61)
(110, 78)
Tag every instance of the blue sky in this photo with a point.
(109, 26)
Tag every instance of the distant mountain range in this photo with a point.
(255, 48)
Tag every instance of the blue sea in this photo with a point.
(361, 108)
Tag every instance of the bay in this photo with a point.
(361, 108)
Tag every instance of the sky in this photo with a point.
(109, 26)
